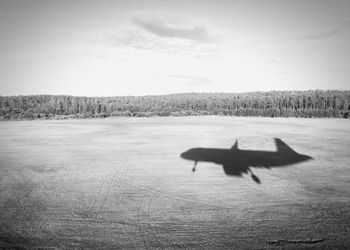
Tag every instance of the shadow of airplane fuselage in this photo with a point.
(236, 162)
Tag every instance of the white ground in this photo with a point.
(120, 183)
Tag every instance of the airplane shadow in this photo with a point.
(237, 162)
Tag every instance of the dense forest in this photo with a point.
(313, 103)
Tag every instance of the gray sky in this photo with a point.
(139, 47)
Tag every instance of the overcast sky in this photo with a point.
(140, 47)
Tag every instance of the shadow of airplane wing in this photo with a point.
(235, 169)
(238, 170)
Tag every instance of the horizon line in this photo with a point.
(179, 93)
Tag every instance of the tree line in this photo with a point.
(312, 103)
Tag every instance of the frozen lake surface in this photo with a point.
(121, 183)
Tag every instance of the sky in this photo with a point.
(152, 47)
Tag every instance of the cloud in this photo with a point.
(324, 34)
(139, 39)
(171, 35)
(192, 80)
(163, 28)
(328, 33)
(130, 38)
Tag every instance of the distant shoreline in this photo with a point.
(306, 104)
(61, 118)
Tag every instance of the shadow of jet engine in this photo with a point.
(237, 162)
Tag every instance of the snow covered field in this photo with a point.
(121, 183)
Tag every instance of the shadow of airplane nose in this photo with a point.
(184, 155)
